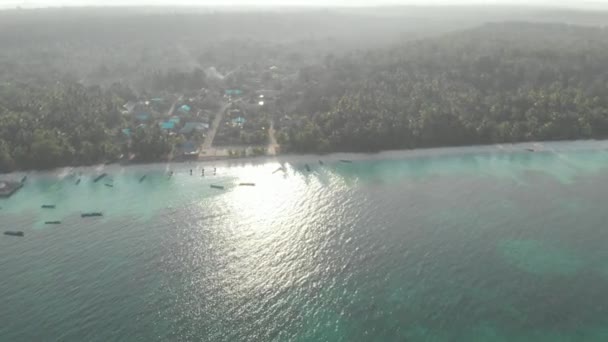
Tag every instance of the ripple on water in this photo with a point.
(419, 247)
(540, 258)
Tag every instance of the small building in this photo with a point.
(189, 149)
(167, 125)
(238, 121)
(129, 107)
(143, 116)
(233, 92)
(185, 109)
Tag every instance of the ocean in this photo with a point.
(489, 243)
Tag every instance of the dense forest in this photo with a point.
(502, 82)
(100, 46)
(65, 123)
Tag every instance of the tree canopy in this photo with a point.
(507, 82)
(66, 123)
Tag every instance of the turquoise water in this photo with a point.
(466, 244)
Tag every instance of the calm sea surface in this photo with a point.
(467, 244)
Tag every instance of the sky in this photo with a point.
(263, 3)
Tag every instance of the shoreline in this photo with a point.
(522, 147)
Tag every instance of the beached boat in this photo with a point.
(11, 233)
(307, 167)
(78, 181)
(7, 189)
(218, 187)
(346, 161)
(100, 177)
(247, 184)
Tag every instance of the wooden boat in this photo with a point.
(346, 161)
(307, 167)
(279, 169)
(247, 184)
(78, 181)
(320, 162)
(23, 179)
(48, 206)
(143, 178)
(91, 214)
(109, 185)
(7, 189)
(218, 187)
(11, 233)
(52, 222)
(530, 150)
(100, 177)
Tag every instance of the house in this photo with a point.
(233, 92)
(143, 116)
(238, 121)
(189, 149)
(129, 107)
(184, 109)
(190, 127)
(167, 125)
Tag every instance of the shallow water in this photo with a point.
(466, 244)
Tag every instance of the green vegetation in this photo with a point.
(497, 83)
(65, 123)
(331, 83)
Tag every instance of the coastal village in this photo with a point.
(233, 116)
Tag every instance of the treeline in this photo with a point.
(65, 123)
(499, 83)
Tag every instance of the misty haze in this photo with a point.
(303, 171)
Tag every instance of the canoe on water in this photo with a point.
(91, 214)
(100, 177)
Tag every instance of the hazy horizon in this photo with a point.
(8, 4)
